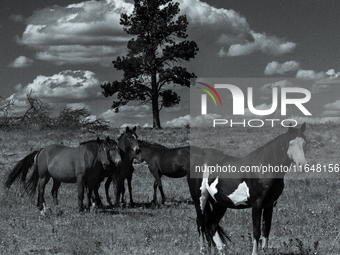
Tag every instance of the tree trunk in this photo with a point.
(155, 107)
(155, 116)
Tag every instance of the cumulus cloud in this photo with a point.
(178, 122)
(128, 112)
(322, 79)
(309, 75)
(88, 32)
(204, 120)
(270, 45)
(275, 67)
(64, 87)
(21, 62)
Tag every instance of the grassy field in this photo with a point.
(305, 220)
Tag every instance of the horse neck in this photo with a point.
(122, 145)
(90, 147)
(273, 153)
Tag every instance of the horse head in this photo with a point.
(297, 145)
(128, 140)
(107, 152)
(114, 152)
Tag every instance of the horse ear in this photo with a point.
(290, 129)
(108, 139)
(303, 127)
(98, 139)
(134, 129)
(127, 129)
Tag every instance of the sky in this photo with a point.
(62, 50)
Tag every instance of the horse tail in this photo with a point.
(210, 228)
(20, 169)
(30, 186)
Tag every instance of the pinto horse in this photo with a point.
(212, 194)
(129, 150)
(64, 164)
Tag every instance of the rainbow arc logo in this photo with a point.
(209, 93)
(204, 97)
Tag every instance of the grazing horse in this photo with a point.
(129, 150)
(214, 192)
(64, 164)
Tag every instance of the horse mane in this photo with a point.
(87, 142)
(273, 150)
(150, 143)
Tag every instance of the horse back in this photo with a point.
(65, 163)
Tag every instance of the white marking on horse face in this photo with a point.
(204, 190)
(218, 242)
(296, 151)
(240, 195)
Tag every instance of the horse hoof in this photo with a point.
(153, 205)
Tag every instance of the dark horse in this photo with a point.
(129, 150)
(171, 162)
(213, 194)
(64, 164)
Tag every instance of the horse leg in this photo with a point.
(80, 186)
(154, 200)
(256, 217)
(160, 187)
(107, 186)
(54, 191)
(266, 224)
(122, 192)
(129, 179)
(41, 191)
(215, 231)
(95, 194)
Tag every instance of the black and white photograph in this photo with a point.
(170, 127)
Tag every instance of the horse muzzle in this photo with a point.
(136, 150)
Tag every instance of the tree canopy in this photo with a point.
(155, 56)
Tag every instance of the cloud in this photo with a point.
(178, 122)
(267, 88)
(21, 62)
(129, 113)
(76, 106)
(315, 120)
(275, 67)
(332, 73)
(88, 32)
(270, 45)
(65, 86)
(322, 79)
(309, 75)
(204, 120)
(335, 106)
